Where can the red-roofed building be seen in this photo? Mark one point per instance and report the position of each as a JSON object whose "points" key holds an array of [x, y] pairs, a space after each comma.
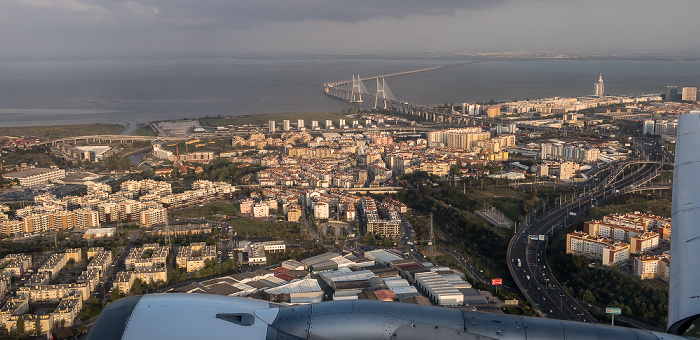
{"points": [[285, 277], [385, 295], [280, 270]]}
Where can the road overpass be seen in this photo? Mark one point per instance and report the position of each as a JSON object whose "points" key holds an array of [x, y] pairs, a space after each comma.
{"points": [[108, 139], [534, 277]]}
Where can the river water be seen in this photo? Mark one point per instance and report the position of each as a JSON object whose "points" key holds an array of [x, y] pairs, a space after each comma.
{"points": [[45, 93], [137, 158]]}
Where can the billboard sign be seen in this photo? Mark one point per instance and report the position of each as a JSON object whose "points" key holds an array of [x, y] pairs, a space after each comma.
{"points": [[613, 310]]}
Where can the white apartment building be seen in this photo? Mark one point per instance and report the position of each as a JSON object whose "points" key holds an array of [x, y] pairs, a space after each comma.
{"points": [[153, 216], [261, 210], [645, 242], [615, 254], [36, 176], [321, 210], [612, 231], [605, 250], [652, 267], [85, 218], [690, 94]]}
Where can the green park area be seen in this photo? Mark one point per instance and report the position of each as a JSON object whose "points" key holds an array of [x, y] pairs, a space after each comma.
{"points": [[58, 131], [277, 117], [255, 228], [202, 145], [243, 226], [145, 130], [212, 211]]}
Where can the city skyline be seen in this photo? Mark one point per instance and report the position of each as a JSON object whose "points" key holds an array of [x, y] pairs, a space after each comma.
{"points": [[75, 29]]}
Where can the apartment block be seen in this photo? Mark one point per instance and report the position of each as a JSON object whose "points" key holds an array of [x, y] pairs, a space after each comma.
{"points": [[612, 231], [151, 274], [274, 246], [615, 254], [67, 310], [16, 264], [124, 281], [137, 259], [36, 176], [261, 210], [652, 267], [54, 292], [438, 168], [690, 94], [247, 206], [321, 210], [645, 242], [389, 227], [54, 264], [665, 232], [91, 277], [153, 216], [192, 257], [602, 249], [294, 214], [85, 218], [37, 223], [100, 261], [12, 228]]}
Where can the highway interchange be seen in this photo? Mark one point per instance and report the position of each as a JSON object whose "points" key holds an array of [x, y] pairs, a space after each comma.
{"points": [[527, 257]]}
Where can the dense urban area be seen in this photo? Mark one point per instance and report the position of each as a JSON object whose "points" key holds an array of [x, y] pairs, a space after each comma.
{"points": [[556, 207]]}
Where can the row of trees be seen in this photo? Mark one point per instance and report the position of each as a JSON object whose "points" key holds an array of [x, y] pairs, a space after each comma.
{"points": [[377, 240], [211, 268], [222, 170], [456, 218], [603, 287]]}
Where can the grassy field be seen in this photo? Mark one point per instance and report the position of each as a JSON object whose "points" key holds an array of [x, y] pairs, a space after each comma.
{"points": [[244, 227], [247, 227], [145, 130], [506, 200], [277, 117], [57, 131], [208, 211], [214, 144]]}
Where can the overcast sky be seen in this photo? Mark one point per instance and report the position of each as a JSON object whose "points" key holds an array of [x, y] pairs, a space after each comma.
{"points": [[141, 28]]}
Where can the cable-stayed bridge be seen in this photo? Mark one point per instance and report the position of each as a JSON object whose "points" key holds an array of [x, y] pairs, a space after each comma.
{"points": [[384, 98]]}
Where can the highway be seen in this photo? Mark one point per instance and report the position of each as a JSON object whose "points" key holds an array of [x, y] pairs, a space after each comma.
{"points": [[473, 272], [534, 276]]}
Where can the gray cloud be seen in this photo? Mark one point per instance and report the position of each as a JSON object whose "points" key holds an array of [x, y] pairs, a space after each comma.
{"points": [[85, 28], [245, 13]]}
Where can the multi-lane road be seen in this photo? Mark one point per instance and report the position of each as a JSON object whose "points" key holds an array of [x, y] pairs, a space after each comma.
{"points": [[527, 257]]}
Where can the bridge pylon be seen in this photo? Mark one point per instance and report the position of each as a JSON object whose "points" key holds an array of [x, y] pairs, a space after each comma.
{"points": [[383, 93], [358, 89]]}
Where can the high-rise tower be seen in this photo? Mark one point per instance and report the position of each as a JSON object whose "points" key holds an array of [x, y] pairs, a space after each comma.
{"points": [[599, 86]]}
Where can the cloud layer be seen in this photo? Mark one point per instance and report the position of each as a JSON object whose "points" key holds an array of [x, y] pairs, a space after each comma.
{"points": [[100, 28]]}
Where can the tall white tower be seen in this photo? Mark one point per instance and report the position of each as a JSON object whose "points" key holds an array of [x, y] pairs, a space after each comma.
{"points": [[599, 86]]}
